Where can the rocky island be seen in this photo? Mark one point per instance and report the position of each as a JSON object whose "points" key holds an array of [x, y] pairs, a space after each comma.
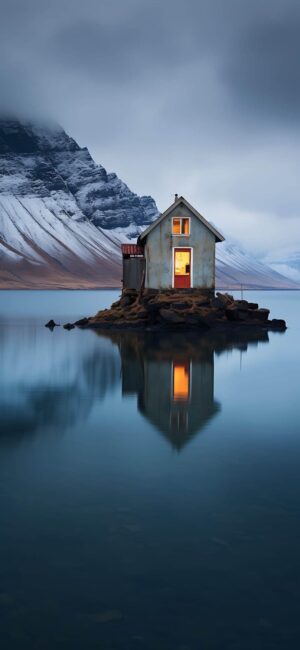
{"points": [[192, 309]]}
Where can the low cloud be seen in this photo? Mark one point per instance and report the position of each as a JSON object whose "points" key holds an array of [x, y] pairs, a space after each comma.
{"points": [[199, 98], [263, 70]]}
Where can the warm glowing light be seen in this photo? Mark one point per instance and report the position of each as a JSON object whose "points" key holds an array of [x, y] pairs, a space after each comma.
{"points": [[181, 381], [185, 226], [176, 226], [180, 226], [182, 262]]}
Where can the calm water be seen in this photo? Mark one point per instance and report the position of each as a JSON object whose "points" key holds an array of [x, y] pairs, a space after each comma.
{"points": [[149, 485]]}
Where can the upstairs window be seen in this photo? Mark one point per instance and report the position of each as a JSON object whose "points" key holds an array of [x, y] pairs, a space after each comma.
{"points": [[181, 226]]}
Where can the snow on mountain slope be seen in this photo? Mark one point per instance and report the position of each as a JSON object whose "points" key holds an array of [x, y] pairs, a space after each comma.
{"points": [[103, 197], [54, 202], [62, 218], [40, 245], [38, 160]]}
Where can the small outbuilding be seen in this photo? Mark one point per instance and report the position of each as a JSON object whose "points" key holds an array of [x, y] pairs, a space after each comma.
{"points": [[177, 251]]}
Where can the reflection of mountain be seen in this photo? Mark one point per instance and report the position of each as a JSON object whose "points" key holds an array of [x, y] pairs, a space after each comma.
{"points": [[51, 381], [41, 409], [173, 377]]}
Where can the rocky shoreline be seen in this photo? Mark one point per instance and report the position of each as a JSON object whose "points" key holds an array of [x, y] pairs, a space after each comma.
{"points": [[179, 310]]}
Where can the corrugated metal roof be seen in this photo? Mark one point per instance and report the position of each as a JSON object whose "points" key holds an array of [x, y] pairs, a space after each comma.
{"points": [[132, 249]]}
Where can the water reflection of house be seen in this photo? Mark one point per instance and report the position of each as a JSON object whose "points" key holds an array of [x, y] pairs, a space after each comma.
{"points": [[174, 382], [178, 397], [173, 376]]}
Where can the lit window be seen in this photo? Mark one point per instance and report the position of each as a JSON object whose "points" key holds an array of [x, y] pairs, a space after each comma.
{"points": [[176, 226], [181, 226], [185, 226]]}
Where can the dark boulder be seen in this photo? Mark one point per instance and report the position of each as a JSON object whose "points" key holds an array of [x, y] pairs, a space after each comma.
{"points": [[218, 303], [225, 297], [180, 305], [155, 306], [236, 314], [115, 305], [259, 314], [82, 322], [243, 314], [170, 316], [69, 326], [195, 320], [241, 304], [126, 301], [278, 323], [51, 324], [203, 302]]}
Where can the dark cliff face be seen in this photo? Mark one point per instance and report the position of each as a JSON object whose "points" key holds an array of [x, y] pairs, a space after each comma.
{"points": [[103, 197], [28, 138], [62, 216], [15, 140], [38, 160]]}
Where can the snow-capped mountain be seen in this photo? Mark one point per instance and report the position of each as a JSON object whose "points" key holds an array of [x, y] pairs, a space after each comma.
{"points": [[39, 161], [62, 217]]}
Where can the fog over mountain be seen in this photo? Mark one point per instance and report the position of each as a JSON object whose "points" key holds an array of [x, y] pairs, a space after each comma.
{"points": [[199, 98]]}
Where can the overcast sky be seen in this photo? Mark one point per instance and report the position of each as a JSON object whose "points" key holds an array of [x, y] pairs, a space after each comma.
{"points": [[198, 97]]}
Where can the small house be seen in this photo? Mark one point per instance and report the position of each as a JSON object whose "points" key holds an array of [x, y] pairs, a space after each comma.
{"points": [[176, 251]]}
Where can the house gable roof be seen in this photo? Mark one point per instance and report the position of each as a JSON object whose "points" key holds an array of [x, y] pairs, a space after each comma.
{"points": [[173, 206]]}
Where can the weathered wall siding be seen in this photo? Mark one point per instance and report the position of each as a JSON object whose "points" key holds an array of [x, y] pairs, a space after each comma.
{"points": [[158, 252], [133, 268]]}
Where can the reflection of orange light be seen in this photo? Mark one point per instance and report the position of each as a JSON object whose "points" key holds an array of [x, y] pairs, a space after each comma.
{"points": [[181, 381]]}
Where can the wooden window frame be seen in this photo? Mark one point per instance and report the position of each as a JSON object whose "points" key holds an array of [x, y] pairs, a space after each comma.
{"points": [[181, 234]]}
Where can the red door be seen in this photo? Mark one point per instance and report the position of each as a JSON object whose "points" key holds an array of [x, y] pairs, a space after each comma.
{"points": [[182, 268]]}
